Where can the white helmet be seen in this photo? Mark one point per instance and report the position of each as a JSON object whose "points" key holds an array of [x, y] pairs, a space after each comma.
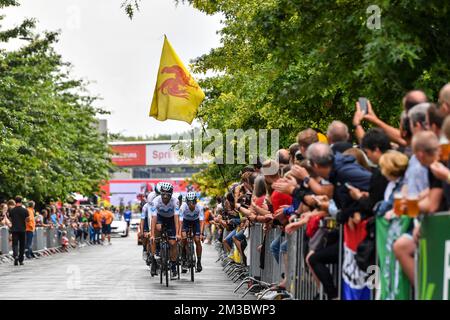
{"points": [[191, 196]]}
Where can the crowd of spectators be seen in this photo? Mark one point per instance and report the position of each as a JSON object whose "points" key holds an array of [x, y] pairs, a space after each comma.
{"points": [[87, 224], [366, 181]]}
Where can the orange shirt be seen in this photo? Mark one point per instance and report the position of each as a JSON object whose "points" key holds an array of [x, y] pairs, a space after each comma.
{"points": [[207, 213], [31, 224], [108, 216], [97, 220]]}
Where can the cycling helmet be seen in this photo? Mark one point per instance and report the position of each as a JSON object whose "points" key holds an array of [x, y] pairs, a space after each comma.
{"points": [[166, 187], [191, 196], [158, 188]]}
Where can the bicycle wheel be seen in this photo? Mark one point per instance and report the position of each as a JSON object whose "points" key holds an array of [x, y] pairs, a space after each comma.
{"points": [[191, 259], [166, 262], [178, 260], [161, 264]]}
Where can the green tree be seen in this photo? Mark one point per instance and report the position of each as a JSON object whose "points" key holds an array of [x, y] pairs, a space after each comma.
{"points": [[49, 146], [293, 64]]}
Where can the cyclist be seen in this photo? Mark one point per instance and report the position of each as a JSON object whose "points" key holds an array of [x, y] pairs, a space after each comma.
{"points": [[145, 223], [165, 212], [191, 213]]}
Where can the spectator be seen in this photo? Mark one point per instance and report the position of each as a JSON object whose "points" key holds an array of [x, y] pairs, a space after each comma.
{"points": [[426, 149], [19, 217], [338, 136], [4, 220], [96, 224], [375, 143], [293, 148], [393, 166], [282, 157], [64, 241], [444, 99], [411, 99], [108, 217], [304, 139], [435, 119], [359, 156], [30, 228]]}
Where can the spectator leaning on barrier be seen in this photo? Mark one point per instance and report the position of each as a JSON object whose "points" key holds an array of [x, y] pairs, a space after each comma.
{"points": [[244, 200], [441, 170], [426, 149], [278, 201], [389, 226], [19, 217], [30, 228], [375, 143], [336, 170], [338, 136]]}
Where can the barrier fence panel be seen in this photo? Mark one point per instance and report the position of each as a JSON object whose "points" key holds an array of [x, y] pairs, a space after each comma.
{"points": [[70, 235], [39, 240], [278, 267], [52, 238], [4, 240], [255, 240], [267, 272], [293, 258]]}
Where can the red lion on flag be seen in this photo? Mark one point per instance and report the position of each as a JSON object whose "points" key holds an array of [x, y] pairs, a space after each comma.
{"points": [[176, 86]]}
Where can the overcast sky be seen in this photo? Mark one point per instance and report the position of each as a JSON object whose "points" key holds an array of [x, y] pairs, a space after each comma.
{"points": [[121, 56]]}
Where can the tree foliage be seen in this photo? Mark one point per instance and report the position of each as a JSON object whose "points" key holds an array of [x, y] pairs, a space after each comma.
{"points": [[49, 144], [293, 64]]}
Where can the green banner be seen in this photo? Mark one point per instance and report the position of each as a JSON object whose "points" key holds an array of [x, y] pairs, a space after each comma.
{"points": [[394, 285], [434, 258]]}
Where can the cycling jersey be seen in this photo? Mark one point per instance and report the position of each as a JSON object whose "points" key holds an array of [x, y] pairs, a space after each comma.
{"points": [[151, 196], [188, 215], [144, 216], [158, 208]]}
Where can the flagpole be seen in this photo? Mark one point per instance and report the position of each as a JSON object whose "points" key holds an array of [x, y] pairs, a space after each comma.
{"points": [[218, 165]]}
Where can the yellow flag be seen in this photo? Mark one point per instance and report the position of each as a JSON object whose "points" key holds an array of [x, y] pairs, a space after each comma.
{"points": [[177, 96]]}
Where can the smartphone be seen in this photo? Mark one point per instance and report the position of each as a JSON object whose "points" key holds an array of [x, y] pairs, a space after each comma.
{"points": [[363, 104]]}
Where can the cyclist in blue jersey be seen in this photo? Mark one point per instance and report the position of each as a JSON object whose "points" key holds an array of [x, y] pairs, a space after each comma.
{"points": [[165, 211], [191, 215]]}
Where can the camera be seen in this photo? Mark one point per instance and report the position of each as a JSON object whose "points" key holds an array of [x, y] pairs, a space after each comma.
{"points": [[299, 156], [245, 200]]}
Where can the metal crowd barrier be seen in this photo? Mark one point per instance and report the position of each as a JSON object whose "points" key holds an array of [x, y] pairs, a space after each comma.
{"points": [[43, 238], [255, 240], [300, 281], [5, 246], [38, 239]]}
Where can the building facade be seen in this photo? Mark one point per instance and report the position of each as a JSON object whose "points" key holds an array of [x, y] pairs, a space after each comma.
{"points": [[142, 164]]}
